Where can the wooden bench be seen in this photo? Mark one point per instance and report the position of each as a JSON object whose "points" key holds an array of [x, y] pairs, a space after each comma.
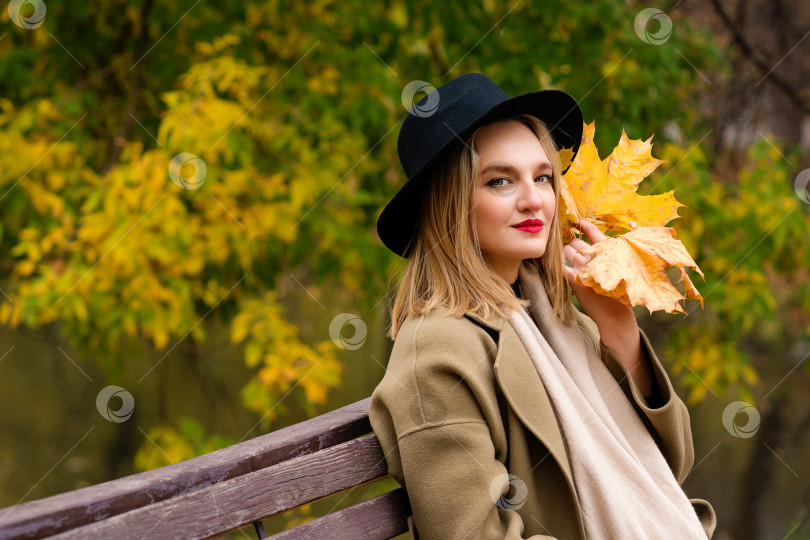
{"points": [[232, 488]]}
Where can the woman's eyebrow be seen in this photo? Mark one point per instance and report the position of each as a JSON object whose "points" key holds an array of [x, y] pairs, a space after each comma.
{"points": [[503, 166]]}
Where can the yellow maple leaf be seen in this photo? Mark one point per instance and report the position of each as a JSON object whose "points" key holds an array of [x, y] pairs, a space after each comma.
{"points": [[566, 158], [604, 191], [631, 268]]}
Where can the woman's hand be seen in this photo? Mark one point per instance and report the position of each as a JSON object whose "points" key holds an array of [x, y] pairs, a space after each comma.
{"points": [[608, 314], [617, 324]]}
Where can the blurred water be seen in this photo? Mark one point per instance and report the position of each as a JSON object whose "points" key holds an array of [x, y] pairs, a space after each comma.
{"points": [[53, 439]]}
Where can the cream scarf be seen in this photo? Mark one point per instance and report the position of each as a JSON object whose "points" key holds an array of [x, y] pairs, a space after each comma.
{"points": [[625, 487]]}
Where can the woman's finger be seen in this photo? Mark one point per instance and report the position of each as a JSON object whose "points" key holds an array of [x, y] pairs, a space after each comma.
{"points": [[591, 231], [578, 244], [569, 274], [573, 254]]}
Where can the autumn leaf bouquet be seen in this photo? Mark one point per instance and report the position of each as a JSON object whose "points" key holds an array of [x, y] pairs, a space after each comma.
{"points": [[631, 264]]}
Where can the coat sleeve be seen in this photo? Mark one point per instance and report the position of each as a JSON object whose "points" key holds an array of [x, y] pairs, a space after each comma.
{"points": [[429, 415]]}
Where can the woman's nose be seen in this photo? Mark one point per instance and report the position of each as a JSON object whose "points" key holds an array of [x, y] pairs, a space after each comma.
{"points": [[529, 196]]}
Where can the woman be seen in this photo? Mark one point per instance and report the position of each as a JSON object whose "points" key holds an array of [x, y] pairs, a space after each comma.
{"points": [[504, 411]]}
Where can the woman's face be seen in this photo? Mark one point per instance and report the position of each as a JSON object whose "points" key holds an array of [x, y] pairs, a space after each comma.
{"points": [[515, 201]]}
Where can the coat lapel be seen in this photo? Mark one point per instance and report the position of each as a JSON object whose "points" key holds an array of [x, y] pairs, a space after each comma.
{"points": [[524, 391]]}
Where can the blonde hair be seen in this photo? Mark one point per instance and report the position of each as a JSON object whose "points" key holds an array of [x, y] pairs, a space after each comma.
{"points": [[445, 266]]}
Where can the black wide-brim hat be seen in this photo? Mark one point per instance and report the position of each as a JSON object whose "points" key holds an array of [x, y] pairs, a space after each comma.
{"points": [[450, 113]]}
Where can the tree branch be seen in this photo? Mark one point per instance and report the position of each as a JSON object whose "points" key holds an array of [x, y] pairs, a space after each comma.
{"points": [[119, 140], [752, 55]]}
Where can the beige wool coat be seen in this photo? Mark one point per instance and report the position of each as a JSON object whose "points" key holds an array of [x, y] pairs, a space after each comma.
{"points": [[461, 406]]}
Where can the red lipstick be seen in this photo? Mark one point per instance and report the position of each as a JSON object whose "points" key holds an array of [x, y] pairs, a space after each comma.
{"points": [[530, 226]]}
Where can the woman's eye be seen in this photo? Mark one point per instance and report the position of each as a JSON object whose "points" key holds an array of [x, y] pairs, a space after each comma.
{"points": [[544, 178], [494, 182]]}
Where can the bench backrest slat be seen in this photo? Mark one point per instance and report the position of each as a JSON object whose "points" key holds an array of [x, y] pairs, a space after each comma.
{"points": [[248, 498], [379, 518], [66, 511]]}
